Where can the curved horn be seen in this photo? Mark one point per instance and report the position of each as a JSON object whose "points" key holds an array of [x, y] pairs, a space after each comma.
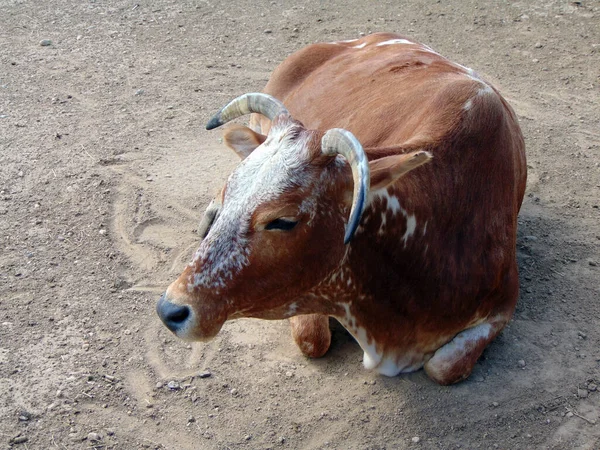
{"points": [[338, 141], [259, 103]]}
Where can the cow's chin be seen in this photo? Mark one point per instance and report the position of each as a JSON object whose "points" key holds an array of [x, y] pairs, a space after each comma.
{"points": [[199, 332]]}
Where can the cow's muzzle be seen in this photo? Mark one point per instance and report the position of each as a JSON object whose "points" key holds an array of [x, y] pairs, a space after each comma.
{"points": [[175, 317]]}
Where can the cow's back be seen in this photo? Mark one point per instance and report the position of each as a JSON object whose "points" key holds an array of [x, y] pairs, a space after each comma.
{"points": [[450, 226]]}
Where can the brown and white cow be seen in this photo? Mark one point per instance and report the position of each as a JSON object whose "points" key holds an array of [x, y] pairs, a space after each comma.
{"points": [[332, 211]]}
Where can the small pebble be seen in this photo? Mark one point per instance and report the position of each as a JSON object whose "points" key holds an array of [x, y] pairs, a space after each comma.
{"points": [[25, 415], [233, 391], [582, 393], [205, 374], [102, 231], [281, 440], [592, 263], [247, 437], [173, 385], [569, 414], [19, 440], [268, 31], [93, 437], [20, 174], [139, 92], [289, 374], [538, 45], [159, 385], [416, 439], [45, 42], [191, 419], [495, 404], [521, 363], [592, 387]]}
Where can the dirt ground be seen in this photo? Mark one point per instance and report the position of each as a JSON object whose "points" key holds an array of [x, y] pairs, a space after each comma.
{"points": [[106, 170]]}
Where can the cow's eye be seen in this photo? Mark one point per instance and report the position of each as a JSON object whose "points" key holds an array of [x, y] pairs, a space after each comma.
{"points": [[281, 224]]}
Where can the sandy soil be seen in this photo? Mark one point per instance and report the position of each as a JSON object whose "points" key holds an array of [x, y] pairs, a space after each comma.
{"points": [[105, 172]]}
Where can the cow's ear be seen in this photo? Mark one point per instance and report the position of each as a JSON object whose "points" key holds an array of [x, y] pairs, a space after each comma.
{"points": [[385, 171], [242, 140]]}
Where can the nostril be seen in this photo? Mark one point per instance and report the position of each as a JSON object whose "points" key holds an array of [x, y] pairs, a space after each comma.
{"points": [[174, 316], [178, 314]]}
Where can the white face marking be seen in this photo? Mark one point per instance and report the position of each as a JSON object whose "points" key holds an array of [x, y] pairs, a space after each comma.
{"points": [[360, 45], [394, 41], [468, 105], [263, 176]]}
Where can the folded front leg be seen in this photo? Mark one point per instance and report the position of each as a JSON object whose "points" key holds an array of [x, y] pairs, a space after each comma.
{"points": [[312, 334]]}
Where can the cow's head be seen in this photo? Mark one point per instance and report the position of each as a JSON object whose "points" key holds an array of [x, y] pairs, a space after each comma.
{"points": [[281, 224]]}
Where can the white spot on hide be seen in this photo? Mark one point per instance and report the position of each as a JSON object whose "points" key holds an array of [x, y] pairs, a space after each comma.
{"points": [[388, 364], [461, 341], [411, 225], [393, 205], [485, 90], [292, 309], [394, 41], [427, 48]]}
